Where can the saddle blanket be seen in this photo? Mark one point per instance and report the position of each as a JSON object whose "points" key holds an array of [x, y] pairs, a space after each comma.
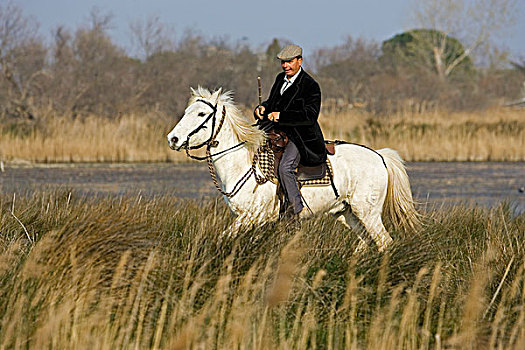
{"points": [[266, 163]]}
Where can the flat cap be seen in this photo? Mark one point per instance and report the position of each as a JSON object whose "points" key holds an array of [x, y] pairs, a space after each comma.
{"points": [[290, 52]]}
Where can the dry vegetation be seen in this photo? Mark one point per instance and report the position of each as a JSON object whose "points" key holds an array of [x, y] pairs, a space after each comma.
{"points": [[129, 138], [81, 273], [491, 135]]}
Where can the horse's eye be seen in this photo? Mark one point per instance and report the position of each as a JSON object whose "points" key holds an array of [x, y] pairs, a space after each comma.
{"points": [[201, 114]]}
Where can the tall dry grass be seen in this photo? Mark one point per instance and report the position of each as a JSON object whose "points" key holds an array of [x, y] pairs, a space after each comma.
{"points": [[491, 135], [141, 273], [127, 138]]}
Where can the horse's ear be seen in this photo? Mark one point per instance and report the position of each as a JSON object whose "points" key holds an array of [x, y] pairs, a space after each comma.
{"points": [[216, 95]]}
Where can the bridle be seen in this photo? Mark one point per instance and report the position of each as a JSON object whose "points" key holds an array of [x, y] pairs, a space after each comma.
{"points": [[212, 142]]}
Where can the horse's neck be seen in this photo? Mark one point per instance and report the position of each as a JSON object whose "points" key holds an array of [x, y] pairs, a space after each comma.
{"points": [[234, 162]]}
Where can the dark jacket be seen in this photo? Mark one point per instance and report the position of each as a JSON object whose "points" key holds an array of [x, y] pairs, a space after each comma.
{"points": [[299, 106]]}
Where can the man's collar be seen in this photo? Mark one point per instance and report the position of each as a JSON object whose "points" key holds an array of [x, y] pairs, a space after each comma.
{"points": [[292, 79]]}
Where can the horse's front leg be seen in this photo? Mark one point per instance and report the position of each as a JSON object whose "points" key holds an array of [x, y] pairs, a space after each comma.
{"points": [[238, 224], [256, 206], [247, 221]]}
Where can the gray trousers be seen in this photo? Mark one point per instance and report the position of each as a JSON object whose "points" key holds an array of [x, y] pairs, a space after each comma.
{"points": [[289, 162]]}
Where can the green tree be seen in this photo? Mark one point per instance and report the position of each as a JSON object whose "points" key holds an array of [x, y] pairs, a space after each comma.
{"points": [[417, 49]]}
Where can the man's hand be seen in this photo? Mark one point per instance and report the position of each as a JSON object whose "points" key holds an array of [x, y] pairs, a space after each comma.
{"points": [[274, 116], [259, 111]]}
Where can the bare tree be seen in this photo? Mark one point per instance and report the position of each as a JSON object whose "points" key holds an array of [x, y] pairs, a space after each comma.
{"points": [[474, 23], [519, 67], [150, 37], [100, 21], [345, 70], [22, 60]]}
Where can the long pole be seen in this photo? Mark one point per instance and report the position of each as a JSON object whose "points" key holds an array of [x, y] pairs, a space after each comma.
{"points": [[260, 90], [260, 93]]}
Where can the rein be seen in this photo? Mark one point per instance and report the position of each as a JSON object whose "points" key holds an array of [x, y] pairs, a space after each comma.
{"points": [[212, 142]]}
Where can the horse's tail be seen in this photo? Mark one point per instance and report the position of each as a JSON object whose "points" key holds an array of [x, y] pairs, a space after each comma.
{"points": [[399, 204]]}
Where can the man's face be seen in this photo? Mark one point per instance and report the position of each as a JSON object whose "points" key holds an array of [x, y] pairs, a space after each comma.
{"points": [[291, 67]]}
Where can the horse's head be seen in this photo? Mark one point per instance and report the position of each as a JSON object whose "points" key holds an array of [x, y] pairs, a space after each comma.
{"points": [[196, 127]]}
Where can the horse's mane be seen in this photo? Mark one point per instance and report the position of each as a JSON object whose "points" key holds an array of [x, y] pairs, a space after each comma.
{"points": [[241, 126]]}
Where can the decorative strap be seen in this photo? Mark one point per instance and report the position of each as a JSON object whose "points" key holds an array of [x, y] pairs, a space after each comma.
{"points": [[252, 170]]}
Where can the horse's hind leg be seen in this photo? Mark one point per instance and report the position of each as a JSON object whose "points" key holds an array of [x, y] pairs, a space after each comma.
{"points": [[348, 219], [376, 229], [368, 227]]}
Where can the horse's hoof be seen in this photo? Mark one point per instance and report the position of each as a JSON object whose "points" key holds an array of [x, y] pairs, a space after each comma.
{"points": [[385, 244], [361, 248], [228, 234]]}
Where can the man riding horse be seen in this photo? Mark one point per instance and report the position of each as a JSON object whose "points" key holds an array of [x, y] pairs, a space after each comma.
{"points": [[293, 108]]}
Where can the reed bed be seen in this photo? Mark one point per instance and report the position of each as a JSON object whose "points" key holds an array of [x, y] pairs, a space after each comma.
{"points": [[155, 273], [493, 135], [127, 138]]}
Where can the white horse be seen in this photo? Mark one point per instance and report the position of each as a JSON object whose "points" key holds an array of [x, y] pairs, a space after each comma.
{"points": [[368, 182]]}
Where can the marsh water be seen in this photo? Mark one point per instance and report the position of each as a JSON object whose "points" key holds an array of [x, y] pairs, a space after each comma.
{"points": [[434, 184]]}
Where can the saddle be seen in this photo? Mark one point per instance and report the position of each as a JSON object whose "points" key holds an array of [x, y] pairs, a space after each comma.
{"points": [[278, 141]]}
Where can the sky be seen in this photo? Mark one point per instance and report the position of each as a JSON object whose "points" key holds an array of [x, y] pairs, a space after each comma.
{"points": [[313, 24]]}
